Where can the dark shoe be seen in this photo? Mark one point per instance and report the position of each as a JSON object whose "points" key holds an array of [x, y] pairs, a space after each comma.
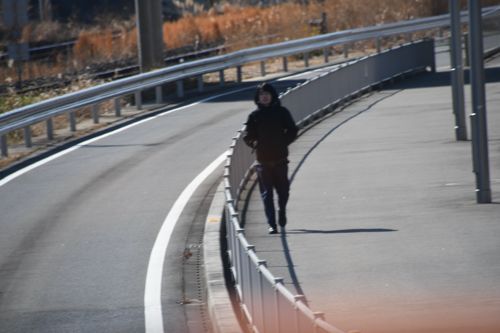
{"points": [[272, 230], [282, 219]]}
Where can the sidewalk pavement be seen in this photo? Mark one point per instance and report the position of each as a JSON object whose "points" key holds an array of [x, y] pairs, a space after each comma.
{"points": [[384, 233]]}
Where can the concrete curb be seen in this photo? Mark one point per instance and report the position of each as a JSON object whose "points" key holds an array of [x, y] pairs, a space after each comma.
{"points": [[220, 308]]}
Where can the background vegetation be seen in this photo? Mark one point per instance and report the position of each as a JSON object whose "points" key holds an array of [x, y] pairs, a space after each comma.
{"points": [[114, 39]]}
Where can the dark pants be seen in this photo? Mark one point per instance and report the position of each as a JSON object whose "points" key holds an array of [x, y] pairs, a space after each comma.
{"points": [[274, 176]]}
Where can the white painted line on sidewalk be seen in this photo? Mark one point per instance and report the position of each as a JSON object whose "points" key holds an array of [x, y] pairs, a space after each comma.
{"points": [[152, 294]]}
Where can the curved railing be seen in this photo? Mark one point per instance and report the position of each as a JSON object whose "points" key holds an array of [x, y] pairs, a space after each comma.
{"points": [[267, 304]]}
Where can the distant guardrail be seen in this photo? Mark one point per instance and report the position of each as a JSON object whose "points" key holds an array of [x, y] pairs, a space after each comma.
{"points": [[24, 117], [267, 304]]}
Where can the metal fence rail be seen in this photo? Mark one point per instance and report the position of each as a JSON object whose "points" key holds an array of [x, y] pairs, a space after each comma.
{"points": [[27, 116], [267, 304]]}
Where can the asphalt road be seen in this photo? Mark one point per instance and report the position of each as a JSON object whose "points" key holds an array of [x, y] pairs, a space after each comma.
{"points": [[77, 231]]}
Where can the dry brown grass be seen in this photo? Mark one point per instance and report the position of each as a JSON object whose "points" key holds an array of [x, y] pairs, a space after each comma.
{"points": [[236, 27], [101, 46], [240, 27]]}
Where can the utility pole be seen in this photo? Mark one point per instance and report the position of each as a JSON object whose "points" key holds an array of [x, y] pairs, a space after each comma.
{"points": [[15, 14], [478, 117], [457, 71], [41, 11], [150, 34], [44, 10]]}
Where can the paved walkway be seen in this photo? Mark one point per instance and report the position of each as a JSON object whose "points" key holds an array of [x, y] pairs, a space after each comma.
{"points": [[384, 231]]}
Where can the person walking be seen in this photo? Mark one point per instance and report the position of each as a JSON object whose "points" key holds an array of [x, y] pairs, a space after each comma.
{"points": [[269, 131]]}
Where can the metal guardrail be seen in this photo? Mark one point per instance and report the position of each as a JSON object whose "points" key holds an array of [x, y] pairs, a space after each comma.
{"points": [[24, 117], [267, 304]]}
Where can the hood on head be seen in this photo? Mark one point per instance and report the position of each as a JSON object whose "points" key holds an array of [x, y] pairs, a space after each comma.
{"points": [[270, 89]]}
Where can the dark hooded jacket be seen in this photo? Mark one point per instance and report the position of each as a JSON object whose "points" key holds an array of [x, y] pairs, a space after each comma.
{"points": [[270, 129]]}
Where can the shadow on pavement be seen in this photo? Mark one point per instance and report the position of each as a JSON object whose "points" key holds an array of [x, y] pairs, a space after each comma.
{"points": [[289, 261], [288, 257], [440, 79], [341, 231], [306, 155]]}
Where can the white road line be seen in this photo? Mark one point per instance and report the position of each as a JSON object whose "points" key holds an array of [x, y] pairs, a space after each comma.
{"points": [[152, 294]]}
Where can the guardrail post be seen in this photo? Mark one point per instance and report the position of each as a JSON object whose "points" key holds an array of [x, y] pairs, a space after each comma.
{"points": [[260, 264], [306, 59], [27, 137], [118, 107], [408, 37], [180, 88], [346, 51], [285, 64], [4, 146], [159, 94], [297, 298], [326, 53], [201, 87], [138, 100], [239, 254], [263, 68], [72, 121], [379, 44], [50, 129], [239, 76], [221, 77], [318, 316], [95, 113], [251, 290], [277, 302]]}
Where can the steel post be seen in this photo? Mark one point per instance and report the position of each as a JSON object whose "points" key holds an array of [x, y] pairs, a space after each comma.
{"points": [[118, 107], [201, 87], [27, 137], [50, 129], [239, 76], [4, 145], [150, 34], [221, 77], [138, 100], [180, 88], [276, 301], [479, 121], [95, 113], [72, 121], [159, 94], [457, 72], [346, 51]]}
